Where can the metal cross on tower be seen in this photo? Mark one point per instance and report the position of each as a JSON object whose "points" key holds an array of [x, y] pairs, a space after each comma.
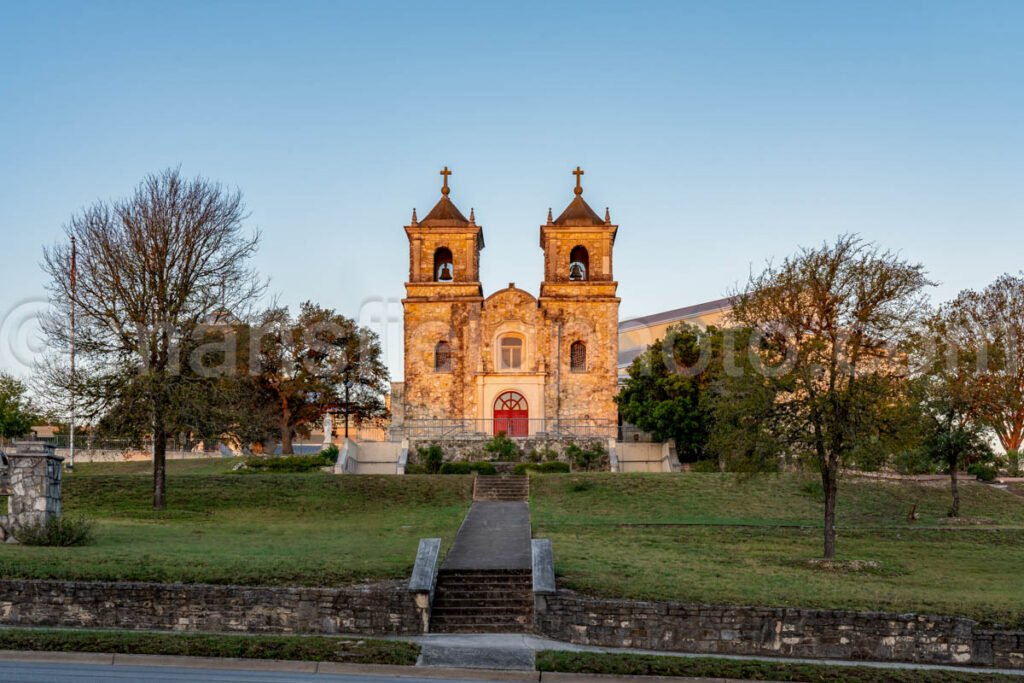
{"points": [[445, 173], [579, 176]]}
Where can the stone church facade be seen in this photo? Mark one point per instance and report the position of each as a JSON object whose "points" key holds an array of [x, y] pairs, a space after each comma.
{"points": [[510, 362]]}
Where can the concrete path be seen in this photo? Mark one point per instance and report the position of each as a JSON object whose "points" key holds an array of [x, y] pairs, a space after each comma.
{"points": [[493, 536], [503, 658], [472, 647]]}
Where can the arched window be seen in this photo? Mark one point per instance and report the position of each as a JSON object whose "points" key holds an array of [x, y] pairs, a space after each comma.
{"points": [[511, 353], [443, 357], [579, 263], [443, 269], [578, 357]]}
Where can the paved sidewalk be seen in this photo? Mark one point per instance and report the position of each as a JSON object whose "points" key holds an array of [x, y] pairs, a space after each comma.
{"points": [[470, 651], [493, 536]]}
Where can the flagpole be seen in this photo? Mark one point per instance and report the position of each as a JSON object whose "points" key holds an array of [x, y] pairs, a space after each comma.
{"points": [[74, 291]]}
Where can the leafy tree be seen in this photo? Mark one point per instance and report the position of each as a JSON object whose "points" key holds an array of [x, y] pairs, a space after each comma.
{"points": [[987, 329], [16, 414], [315, 363], [668, 391], [953, 428], [831, 325], [952, 440], [153, 269]]}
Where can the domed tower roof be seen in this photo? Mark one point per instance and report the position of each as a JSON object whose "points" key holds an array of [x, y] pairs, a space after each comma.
{"points": [[579, 213]]}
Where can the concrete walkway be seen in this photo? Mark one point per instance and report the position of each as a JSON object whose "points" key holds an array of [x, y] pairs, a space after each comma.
{"points": [[493, 536], [512, 650]]}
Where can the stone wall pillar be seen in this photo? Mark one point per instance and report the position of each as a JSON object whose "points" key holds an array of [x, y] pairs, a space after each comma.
{"points": [[32, 481]]}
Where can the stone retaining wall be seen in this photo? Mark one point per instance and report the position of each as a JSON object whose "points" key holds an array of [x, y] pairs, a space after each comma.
{"points": [[388, 608], [807, 633], [372, 609], [472, 449], [83, 455]]}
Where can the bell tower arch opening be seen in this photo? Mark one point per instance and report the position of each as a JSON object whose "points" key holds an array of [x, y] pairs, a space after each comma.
{"points": [[579, 263], [444, 270]]}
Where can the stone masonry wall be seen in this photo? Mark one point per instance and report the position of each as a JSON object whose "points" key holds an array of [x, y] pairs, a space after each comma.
{"points": [[30, 477], [83, 455], [808, 633], [372, 609], [472, 449]]}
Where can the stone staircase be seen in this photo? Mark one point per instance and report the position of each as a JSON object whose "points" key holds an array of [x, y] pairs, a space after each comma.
{"points": [[483, 601], [501, 487]]}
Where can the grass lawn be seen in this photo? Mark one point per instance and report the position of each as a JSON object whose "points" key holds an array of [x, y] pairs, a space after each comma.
{"points": [[716, 538], [691, 537], [297, 648], [222, 527], [749, 670]]}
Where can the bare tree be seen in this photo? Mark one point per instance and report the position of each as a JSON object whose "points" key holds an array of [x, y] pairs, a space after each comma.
{"points": [[152, 269], [833, 324]]}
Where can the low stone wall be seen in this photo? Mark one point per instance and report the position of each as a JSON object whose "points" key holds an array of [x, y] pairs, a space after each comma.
{"points": [[83, 455], [807, 633], [373, 609], [1003, 649], [472, 449]]}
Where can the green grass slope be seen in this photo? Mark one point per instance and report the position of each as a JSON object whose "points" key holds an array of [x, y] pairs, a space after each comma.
{"points": [[725, 539], [308, 529]]}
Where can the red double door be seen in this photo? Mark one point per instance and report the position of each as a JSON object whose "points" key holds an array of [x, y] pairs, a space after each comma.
{"points": [[511, 415]]}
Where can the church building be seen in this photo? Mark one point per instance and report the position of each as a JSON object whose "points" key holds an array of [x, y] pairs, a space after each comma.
{"points": [[510, 362]]}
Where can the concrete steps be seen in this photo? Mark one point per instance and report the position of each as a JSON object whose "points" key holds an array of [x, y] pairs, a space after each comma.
{"points": [[482, 601], [501, 487]]}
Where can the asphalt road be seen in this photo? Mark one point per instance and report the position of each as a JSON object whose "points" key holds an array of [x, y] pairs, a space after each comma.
{"points": [[38, 672]]}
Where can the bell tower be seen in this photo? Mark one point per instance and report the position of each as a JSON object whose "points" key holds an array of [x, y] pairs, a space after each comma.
{"points": [[441, 309], [579, 302], [578, 250], [444, 249]]}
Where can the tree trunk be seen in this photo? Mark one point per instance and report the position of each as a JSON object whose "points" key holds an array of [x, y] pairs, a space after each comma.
{"points": [[286, 438], [286, 428], [159, 463], [829, 485], [954, 485]]}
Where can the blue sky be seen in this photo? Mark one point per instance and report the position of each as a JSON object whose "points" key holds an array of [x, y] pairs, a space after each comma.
{"points": [[721, 134]]}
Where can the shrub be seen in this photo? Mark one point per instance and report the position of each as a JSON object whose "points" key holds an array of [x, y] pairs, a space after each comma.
{"points": [[983, 471], [914, 461], [546, 454], [468, 468], [503, 448], [330, 454], [543, 468], [287, 464], [1013, 463], [57, 531], [705, 466], [431, 456], [587, 457]]}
